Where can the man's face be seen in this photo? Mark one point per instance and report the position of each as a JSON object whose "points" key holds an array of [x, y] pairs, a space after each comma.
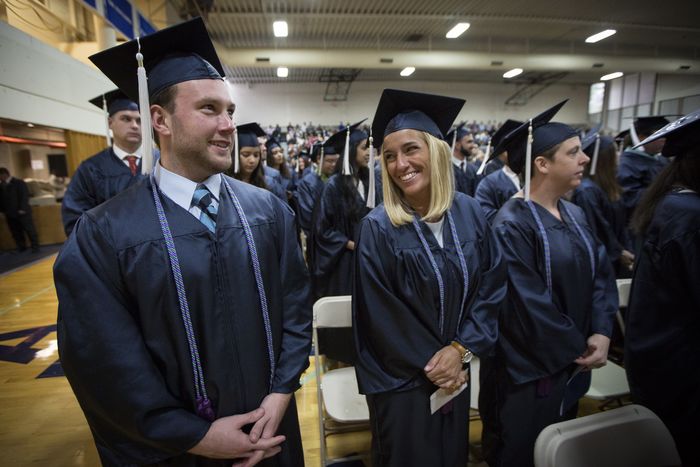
{"points": [[126, 128], [202, 127], [4, 177], [467, 145], [329, 163]]}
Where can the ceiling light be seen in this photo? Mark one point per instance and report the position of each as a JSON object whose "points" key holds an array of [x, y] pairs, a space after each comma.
{"points": [[600, 36], [280, 28], [457, 30], [30, 125], [610, 76], [408, 71], [282, 72], [512, 73]]}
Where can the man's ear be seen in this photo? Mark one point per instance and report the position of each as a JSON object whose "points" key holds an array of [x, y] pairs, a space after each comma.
{"points": [[542, 164], [161, 120]]}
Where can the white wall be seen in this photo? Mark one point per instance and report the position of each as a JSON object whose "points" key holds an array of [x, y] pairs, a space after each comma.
{"points": [[299, 102], [675, 86], [42, 85]]}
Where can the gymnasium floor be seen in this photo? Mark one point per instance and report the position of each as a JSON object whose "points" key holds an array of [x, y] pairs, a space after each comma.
{"points": [[40, 421]]}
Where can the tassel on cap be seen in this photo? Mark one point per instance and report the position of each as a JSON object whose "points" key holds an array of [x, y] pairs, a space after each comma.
{"points": [[528, 161], [486, 158], [106, 114], [346, 153], [320, 164], [454, 141], [236, 151], [633, 135], [145, 110], [596, 149], [370, 193]]}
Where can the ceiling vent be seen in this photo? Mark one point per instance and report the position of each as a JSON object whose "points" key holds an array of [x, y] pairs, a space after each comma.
{"points": [[386, 60], [262, 59], [496, 63]]}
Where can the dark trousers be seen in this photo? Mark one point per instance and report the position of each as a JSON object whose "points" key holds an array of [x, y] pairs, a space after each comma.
{"points": [[405, 434], [21, 225], [513, 415]]}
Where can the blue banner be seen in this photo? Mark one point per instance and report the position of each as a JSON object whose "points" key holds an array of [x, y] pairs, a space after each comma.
{"points": [[119, 14], [145, 27]]}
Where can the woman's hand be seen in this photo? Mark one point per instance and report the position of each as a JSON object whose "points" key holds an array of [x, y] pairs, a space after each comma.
{"points": [[596, 354]]}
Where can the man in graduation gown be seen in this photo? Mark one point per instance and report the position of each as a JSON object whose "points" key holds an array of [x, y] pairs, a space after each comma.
{"points": [[310, 187], [14, 203], [662, 343], [465, 174], [184, 314], [500, 184], [111, 170]]}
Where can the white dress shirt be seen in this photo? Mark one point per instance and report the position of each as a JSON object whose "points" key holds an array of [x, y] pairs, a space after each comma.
{"points": [[181, 189]]}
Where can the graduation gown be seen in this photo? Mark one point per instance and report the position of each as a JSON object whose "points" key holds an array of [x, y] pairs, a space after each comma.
{"points": [[396, 299], [465, 180], [307, 193], [662, 343], [492, 166], [331, 268], [273, 179], [635, 172], [121, 336], [604, 219], [541, 336], [493, 191], [96, 180], [396, 309]]}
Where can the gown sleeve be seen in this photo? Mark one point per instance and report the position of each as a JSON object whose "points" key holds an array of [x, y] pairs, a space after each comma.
{"points": [[487, 198], [105, 358], [538, 338], [296, 307]]}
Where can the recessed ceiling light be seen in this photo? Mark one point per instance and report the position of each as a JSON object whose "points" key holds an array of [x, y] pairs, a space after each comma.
{"points": [[457, 30], [282, 72], [408, 71], [280, 28], [512, 73], [30, 125], [610, 76], [600, 36]]}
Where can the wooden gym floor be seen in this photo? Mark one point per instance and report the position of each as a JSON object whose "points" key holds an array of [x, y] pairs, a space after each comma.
{"points": [[41, 423]]}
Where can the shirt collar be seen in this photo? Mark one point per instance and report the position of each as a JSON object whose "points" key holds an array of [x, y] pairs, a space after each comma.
{"points": [[181, 189], [511, 175], [121, 154], [458, 162]]}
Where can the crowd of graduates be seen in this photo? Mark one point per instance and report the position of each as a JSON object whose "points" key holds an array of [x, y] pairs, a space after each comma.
{"points": [[190, 291]]}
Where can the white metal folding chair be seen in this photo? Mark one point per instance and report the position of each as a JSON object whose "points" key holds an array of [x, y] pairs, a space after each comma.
{"points": [[609, 383], [630, 436], [341, 408]]}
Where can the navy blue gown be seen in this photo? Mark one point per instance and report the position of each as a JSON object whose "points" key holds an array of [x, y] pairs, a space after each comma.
{"points": [[465, 180], [662, 344], [121, 336], [308, 192], [606, 221], [273, 179], [493, 191], [97, 179], [541, 336], [396, 307], [635, 172]]}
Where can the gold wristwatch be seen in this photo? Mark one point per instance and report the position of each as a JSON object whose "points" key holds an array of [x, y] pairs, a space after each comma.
{"points": [[466, 354]]}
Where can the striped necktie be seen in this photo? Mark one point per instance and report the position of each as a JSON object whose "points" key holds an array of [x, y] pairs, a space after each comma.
{"points": [[204, 200], [132, 164]]}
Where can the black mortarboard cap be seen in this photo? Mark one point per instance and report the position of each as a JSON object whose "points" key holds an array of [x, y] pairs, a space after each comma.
{"points": [[401, 110], [507, 127], [116, 102], [173, 55], [337, 140], [681, 135], [248, 134], [461, 133], [515, 142], [648, 125], [272, 143], [588, 141]]}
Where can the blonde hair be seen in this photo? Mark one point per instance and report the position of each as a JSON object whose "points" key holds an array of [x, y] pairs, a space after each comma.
{"points": [[442, 185]]}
